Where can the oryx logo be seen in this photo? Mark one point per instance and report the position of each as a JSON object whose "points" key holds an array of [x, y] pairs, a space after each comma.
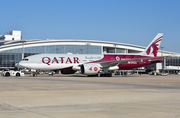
{"points": [[117, 58], [154, 46], [95, 68]]}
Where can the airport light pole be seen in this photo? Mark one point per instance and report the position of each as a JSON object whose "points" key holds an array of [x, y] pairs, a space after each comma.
{"points": [[45, 49], [162, 51], [57, 50], [23, 49], [163, 59], [115, 47], [88, 44], [81, 50]]}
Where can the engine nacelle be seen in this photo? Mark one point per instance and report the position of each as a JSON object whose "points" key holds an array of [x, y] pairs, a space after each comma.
{"points": [[90, 69]]}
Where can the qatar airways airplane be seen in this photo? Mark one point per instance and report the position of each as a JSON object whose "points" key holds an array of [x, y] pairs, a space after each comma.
{"points": [[91, 65]]}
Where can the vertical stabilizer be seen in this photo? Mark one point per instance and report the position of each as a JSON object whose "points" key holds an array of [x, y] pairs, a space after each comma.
{"points": [[153, 47]]}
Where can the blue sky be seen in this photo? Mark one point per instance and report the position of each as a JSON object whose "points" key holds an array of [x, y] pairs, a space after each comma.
{"points": [[125, 21]]}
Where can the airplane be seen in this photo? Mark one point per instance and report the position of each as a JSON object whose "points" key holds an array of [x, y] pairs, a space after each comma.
{"points": [[91, 65]]}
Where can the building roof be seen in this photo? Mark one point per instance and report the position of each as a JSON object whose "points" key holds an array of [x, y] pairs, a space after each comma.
{"points": [[7, 45]]}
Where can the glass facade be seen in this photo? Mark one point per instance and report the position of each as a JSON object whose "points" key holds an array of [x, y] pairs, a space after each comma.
{"points": [[112, 50], [8, 58], [62, 49], [173, 62], [133, 51], [118, 50]]}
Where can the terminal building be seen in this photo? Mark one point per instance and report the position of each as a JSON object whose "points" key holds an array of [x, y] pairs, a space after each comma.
{"points": [[13, 49]]}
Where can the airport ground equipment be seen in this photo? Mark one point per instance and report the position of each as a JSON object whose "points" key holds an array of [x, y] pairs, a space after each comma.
{"points": [[12, 73]]}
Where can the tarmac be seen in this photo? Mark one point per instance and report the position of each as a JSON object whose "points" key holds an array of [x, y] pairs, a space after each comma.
{"points": [[78, 96]]}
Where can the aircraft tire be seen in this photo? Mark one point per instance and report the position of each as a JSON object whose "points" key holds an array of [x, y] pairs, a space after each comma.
{"points": [[110, 75], [106, 75], [102, 75], [17, 74], [34, 75], [93, 75]]}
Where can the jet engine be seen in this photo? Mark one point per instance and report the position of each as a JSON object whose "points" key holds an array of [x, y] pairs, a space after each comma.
{"points": [[90, 69]]}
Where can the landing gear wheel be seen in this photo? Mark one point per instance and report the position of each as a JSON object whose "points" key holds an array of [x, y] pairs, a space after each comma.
{"points": [[102, 75], [106, 75], [34, 75], [93, 75], [110, 75]]}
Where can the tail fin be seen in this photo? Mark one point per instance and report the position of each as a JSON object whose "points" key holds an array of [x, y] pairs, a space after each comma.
{"points": [[153, 47]]}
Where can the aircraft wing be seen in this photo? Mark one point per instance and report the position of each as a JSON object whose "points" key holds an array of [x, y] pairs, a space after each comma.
{"points": [[124, 61]]}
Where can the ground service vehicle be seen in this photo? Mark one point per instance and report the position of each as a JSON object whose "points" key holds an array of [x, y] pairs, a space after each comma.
{"points": [[13, 73]]}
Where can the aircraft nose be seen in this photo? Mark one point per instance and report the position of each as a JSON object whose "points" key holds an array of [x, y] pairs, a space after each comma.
{"points": [[21, 63], [18, 65]]}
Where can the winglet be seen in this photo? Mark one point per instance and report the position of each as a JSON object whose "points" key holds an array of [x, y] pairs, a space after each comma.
{"points": [[153, 47]]}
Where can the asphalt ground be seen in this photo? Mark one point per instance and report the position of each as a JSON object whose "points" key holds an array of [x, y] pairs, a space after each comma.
{"points": [[78, 96]]}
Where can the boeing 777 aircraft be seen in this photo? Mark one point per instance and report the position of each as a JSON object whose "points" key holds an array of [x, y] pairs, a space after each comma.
{"points": [[91, 65]]}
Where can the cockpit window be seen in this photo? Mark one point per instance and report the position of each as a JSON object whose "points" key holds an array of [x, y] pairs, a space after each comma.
{"points": [[25, 59]]}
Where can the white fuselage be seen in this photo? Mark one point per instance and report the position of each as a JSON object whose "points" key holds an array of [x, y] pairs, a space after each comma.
{"points": [[58, 61]]}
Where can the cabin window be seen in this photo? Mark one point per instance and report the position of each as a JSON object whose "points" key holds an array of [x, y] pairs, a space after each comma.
{"points": [[25, 59]]}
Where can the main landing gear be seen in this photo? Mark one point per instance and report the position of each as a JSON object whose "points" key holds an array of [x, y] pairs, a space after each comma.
{"points": [[101, 75], [106, 75], [93, 75]]}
